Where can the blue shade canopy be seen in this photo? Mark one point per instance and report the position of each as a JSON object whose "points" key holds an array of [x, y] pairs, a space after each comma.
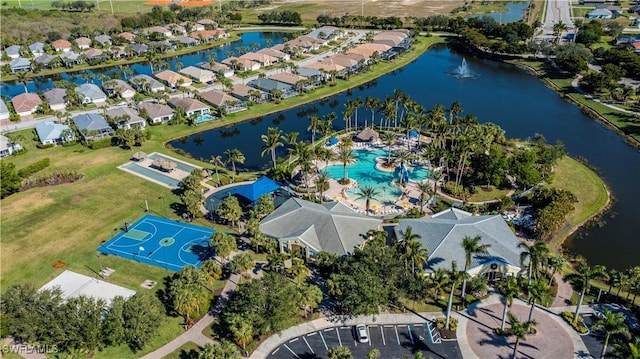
{"points": [[332, 141], [413, 133], [257, 189]]}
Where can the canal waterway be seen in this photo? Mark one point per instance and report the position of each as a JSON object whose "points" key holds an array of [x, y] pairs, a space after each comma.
{"points": [[500, 93]]}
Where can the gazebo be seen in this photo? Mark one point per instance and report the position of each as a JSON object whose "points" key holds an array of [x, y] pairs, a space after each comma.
{"points": [[157, 163], [168, 166], [139, 156], [367, 135]]}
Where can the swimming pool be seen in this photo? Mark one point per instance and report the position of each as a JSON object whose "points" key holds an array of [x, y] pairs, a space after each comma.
{"points": [[364, 171], [204, 118], [151, 175]]}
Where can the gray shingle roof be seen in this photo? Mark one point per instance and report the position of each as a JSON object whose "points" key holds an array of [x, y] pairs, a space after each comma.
{"points": [[91, 122], [50, 130], [442, 235], [13, 50], [91, 91], [331, 227], [55, 96]]}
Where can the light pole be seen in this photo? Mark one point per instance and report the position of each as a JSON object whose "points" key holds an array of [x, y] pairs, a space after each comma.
{"points": [[164, 209]]}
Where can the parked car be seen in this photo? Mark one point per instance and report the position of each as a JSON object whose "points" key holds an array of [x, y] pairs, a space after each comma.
{"points": [[361, 333]]}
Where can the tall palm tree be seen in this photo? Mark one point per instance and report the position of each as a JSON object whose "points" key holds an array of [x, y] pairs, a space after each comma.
{"points": [[233, 156], [271, 142], [556, 263], [520, 330], [534, 255], [216, 161], [407, 237], [22, 78], [322, 182], [388, 137], [373, 103], [425, 188], [611, 324], [290, 138], [471, 247], [509, 288], [581, 281], [455, 276], [345, 155], [539, 292], [298, 270], [624, 350], [314, 124], [437, 281], [558, 29], [368, 193]]}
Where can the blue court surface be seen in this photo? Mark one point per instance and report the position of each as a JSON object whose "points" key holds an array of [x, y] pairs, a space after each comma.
{"points": [[161, 242]]}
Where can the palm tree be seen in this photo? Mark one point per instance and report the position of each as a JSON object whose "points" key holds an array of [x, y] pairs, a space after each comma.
{"points": [[322, 182], [339, 353], [558, 29], [610, 323], [298, 270], [388, 137], [624, 350], [519, 330], [372, 103], [271, 142], [425, 188], [233, 156], [556, 263], [471, 247], [373, 354], [405, 245], [509, 288], [276, 262], [22, 78], [212, 272], [581, 281], [438, 280], [535, 256], [368, 193], [345, 155], [290, 138], [539, 291], [216, 161], [455, 276], [314, 123]]}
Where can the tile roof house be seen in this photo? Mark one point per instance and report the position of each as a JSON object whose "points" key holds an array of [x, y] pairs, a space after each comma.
{"points": [[218, 68], [241, 64], [156, 112], [205, 35], [263, 59], [25, 104], [126, 118], [330, 227], [198, 74], [8, 147], [248, 93], [118, 87], [103, 40], [127, 36], [160, 30], [52, 133], [279, 55], [47, 60], [186, 41], [442, 236], [287, 78], [93, 54], [177, 29], [61, 45], [83, 42], [4, 111], [192, 26], [207, 22], [91, 93], [70, 58], [146, 83], [92, 126], [56, 98], [369, 49], [326, 33], [13, 51], [190, 106], [20, 64], [172, 79], [37, 49], [223, 101]]}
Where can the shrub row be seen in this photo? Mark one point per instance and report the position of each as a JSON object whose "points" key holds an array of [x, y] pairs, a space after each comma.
{"points": [[103, 143], [51, 180], [33, 168], [577, 325], [453, 323]]}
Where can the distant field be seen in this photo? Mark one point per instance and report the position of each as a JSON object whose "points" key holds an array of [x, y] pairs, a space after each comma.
{"points": [[119, 6]]}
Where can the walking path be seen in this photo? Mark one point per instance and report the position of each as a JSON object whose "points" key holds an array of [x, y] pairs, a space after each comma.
{"points": [[563, 295]]}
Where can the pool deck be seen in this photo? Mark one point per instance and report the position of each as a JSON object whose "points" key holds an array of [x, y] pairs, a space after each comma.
{"points": [[176, 173]]}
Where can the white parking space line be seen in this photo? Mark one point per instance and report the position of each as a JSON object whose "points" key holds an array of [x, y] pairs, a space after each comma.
{"points": [[323, 342], [293, 340], [397, 336], [382, 333], [312, 334], [339, 339], [305, 340], [275, 351], [292, 352], [328, 329]]}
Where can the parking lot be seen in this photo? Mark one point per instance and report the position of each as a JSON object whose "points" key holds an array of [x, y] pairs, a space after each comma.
{"points": [[393, 341]]}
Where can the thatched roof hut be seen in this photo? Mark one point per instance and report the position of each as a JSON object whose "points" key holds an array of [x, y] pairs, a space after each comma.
{"points": [[157, 163], [367, 135], [139, 156], [168, 166]]}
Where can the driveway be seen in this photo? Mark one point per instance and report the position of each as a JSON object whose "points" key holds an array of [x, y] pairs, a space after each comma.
{"points": [[392, 340]]}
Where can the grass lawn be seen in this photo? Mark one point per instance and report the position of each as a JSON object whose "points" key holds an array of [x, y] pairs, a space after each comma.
{"points": [[482, 194], [119, 6], [586, 185], [189, 350]]}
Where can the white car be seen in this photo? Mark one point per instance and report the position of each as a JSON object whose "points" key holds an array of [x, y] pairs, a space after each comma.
{"points": [[361, 333]]}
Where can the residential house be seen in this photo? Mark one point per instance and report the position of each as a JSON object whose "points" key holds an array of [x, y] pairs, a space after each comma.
{"points": [[263, 59], [218, 68], [616, 11], [223, 101], [13, 51], [239, 64], [139, 49], [56, 98], [8, 147], [159, 30], [279, 55], [25, 104], [126, 118], [369, 49], [314, 75], [104, 40], [310, 228], [83, 43], [91, 93], [190, 106], [208, 23], [118, 52], [53, 133], [156, 112], [269, 86], [290, 79], [46, 60], [4, 111], [61, 45], [636, 47], [93, 54], [119, 88], [20, 64], [127, 36], [205, 35], [146, 83], [186, 41], [37, 49], [162, 46], [70, 58], [599, 14], [172, 79], [325, 67], [192, 26], [199, 75], [302, 44], [92, 126], [443, 233], [327, 33], [177, 29], [626, 39], [248, 93]]}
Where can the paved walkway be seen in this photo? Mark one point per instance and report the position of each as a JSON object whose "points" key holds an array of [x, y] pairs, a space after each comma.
{"points": [[563, 295]]}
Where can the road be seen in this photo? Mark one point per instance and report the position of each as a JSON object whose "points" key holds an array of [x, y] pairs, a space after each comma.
{"points": [[556, 11]]}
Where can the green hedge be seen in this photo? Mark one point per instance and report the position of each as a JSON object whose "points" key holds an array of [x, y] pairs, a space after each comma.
{"points": [[577, 325], [103, 143], [33, 168]]}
